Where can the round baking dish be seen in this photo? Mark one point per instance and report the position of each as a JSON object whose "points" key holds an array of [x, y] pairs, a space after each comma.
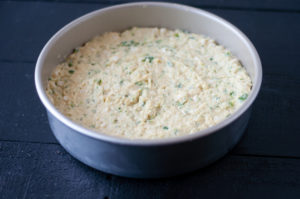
{"points": [[147, 158]]}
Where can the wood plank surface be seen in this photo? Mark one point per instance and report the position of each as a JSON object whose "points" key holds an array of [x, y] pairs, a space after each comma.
{"points": [[266, 5], [265, 164], [46, 171], [22, 116]]}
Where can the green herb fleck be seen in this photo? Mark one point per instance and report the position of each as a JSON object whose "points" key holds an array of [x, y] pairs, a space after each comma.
{"points": [[179, 85], [211, 59], [71, 71], [228, 53], [231, 93], [175, 131], [99, 82], [121, 82], [165, 128], [231, 104], [180, 104], [176, 35], [149, 58], [158, 41], [49, 79], [129, 43], [139, 83], [243, 97], [70, 64], [75, 50], [92, 126]]}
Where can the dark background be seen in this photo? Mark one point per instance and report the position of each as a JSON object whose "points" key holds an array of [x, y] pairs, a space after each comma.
{"points": [[265, 164]]}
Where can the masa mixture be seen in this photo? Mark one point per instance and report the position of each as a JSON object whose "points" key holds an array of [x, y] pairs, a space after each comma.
{"points": [[148, 83]]}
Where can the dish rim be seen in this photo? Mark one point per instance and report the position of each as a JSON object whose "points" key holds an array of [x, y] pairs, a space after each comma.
{"points": [[147, 142]]}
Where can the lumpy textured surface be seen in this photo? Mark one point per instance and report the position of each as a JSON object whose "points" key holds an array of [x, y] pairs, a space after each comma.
{"points": [[149, 83]]}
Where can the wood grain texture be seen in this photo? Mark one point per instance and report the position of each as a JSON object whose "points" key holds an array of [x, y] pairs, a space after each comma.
{"points": [[22, 116], [29, 25], [265, 164], [266, 5], [46, 171]]}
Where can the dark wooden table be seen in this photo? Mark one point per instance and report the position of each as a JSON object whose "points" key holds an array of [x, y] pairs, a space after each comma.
{"points": [[265, 164]]}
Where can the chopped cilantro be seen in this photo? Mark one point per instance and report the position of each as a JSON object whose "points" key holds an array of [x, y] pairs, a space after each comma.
{"points": [[75, 50], [179, 85], [176, 35], [71, 71], [231, 93], [243, 97], [180, 104], [70, 64], [129, 43], [149, 58], [165, 128], [139, 83], [99, 82], [211, 59]]}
